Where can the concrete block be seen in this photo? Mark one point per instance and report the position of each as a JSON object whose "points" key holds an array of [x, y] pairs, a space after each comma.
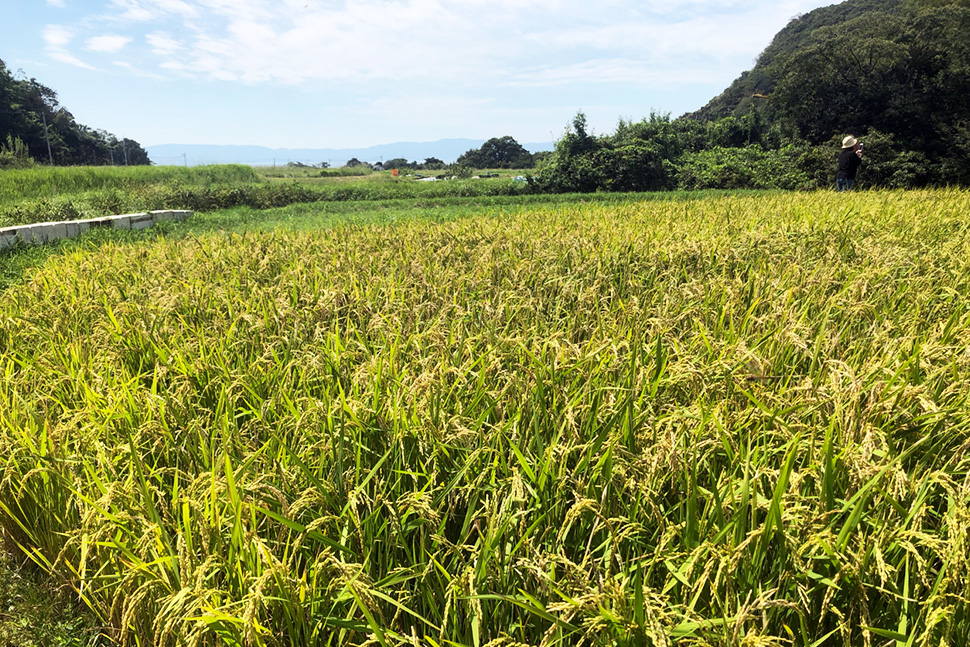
{"points": [[8, 237], [120, 222], [141, 220], [70, 228], [57, 231], [31, 233], [37, 233], [47, 231]]}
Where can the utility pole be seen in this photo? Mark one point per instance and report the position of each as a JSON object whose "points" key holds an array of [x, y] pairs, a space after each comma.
{"points": [[185, 160], [47, 137], [124, 149]]}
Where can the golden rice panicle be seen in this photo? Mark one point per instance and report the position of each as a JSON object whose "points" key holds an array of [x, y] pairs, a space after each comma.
{"points": [[737, 420]]}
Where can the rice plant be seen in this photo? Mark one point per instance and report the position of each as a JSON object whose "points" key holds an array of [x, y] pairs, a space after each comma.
{"points": [[740, 420]]}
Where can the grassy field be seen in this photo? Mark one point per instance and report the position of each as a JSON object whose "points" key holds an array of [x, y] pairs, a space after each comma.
{"points": [[310, 173], [46, 194], [735, 420], [54, 181]]}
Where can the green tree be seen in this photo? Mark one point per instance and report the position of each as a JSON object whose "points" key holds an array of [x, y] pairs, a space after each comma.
{"points": [[637, 157], [398, 163], [30, 112], [498, 152]]}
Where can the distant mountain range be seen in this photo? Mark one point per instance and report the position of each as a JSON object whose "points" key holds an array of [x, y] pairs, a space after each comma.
{"points": [[447, 150]]}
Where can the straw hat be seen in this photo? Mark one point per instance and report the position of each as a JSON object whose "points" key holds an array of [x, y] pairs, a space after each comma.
{"points": [[848, 142]]}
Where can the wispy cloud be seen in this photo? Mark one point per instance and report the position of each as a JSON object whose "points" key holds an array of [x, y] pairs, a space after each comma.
{"points": [[461, 43], [133, 11], [162, 43], [56, 3], [109, 43], [57, 38]]}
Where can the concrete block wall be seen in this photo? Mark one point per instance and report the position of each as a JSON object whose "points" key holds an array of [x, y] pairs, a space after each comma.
{"points": [[44, 232]]}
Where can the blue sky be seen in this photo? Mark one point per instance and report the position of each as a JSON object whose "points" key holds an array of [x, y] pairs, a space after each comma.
{"points": [[331, 74]]}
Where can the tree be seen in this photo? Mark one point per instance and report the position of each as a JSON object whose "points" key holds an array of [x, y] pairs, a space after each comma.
{"points": [[852, 76], [498, 152], [133, 153], [29, 111]]}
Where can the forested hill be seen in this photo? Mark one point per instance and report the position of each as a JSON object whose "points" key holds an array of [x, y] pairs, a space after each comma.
{"points": [[756, 84], [895, 73], [898, 66], [25, 106]]}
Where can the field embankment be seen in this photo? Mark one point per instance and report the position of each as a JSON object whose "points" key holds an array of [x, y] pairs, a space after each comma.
{"points": [[737, 420]]}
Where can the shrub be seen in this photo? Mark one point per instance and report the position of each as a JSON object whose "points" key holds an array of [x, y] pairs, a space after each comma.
{"points": [[750, 167], [14, 154]]}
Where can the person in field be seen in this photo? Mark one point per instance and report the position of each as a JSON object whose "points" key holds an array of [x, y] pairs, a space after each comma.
{"points": [[849, 161]]}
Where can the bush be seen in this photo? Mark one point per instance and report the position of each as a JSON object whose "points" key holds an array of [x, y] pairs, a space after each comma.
{"points": [[889, 164], [14, 154], [750, 167], [43, 210]]}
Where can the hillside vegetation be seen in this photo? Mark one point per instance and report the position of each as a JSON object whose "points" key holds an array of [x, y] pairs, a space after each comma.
{"points": [[34, 126], [896, 74], [727, 421]]}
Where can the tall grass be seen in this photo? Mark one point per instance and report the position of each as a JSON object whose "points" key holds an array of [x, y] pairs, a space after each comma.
{"points": [[735, 421], [56, 194], [53, 181], [310, 173]]}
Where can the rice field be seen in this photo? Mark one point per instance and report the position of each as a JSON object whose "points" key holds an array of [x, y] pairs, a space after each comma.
{"points": [[738, 420]]}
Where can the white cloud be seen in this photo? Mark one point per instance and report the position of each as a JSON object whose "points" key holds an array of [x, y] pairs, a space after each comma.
{"points": [[57, 38], [70, 59], [162, 43], [109, 43], [464, 43], [56, 3], [298, 41], [178, 7], [133, 11]]}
